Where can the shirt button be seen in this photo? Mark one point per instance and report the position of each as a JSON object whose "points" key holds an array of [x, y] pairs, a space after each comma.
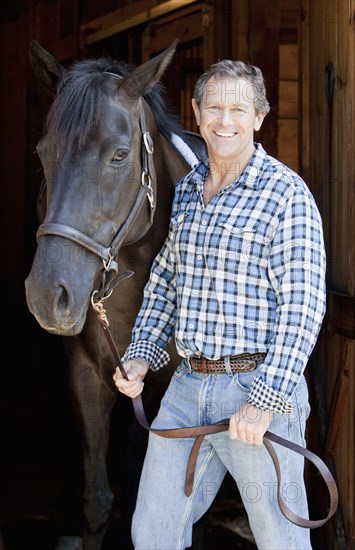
{"points": [[199, 257], [204, 222], [191, 325], [194, 292]]}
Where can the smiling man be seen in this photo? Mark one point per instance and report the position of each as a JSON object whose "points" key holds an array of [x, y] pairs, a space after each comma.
{"points": [[227, 116], [240, 284]]}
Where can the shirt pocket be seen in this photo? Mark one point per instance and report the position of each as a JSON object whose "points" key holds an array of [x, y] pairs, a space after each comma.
{"points": [[244, 241], [177, 223]]}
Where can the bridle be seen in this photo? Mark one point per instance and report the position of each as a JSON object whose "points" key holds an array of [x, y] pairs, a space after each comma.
{"points": [[109, 254]]}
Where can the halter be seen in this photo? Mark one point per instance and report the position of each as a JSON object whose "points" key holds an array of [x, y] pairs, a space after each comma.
{"points": [[109, 254]]}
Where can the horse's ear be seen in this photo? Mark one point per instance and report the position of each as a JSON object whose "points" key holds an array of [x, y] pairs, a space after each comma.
{"points": [[144, 77], [45, 67]]}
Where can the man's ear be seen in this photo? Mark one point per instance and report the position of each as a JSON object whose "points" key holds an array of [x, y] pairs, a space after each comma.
{"points": [[196, 109], [259, 119]]}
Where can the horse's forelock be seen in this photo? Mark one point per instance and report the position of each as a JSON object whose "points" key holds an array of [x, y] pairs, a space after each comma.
{"points": [[78, 106]]}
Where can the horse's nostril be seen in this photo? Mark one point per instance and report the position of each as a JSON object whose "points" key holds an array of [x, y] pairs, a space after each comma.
{"points": [[64, 300]]}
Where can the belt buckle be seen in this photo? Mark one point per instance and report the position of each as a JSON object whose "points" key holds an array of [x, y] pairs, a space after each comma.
{"points": [[247, 365], [252, 364]]}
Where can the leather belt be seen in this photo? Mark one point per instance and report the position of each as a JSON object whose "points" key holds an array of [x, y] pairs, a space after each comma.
{"points": [[244, 362]]}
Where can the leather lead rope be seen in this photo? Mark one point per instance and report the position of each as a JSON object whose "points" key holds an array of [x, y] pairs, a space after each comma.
{"points": [[201, 431]]}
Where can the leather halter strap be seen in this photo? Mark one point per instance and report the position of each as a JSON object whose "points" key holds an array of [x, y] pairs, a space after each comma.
{"points": [[199, 432], [106, 254], [147, 190]]}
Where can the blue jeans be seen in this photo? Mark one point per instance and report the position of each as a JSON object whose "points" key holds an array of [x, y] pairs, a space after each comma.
{"points": [[164, 515]]}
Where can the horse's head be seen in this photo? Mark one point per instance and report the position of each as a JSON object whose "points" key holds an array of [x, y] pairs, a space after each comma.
{"points": [[100, 180]]}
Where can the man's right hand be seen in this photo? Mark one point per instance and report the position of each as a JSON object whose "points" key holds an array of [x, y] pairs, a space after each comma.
{"points": [[136, 370]]}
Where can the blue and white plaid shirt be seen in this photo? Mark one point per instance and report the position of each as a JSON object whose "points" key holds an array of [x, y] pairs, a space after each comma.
{"points": [[245, 273]]}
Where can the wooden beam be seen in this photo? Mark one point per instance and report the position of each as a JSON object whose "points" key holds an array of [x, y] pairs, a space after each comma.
{"points": [[186, 25], [339, 400], [240, 30], [99, 28], [304, 103], [340, 317], [264, 35]]}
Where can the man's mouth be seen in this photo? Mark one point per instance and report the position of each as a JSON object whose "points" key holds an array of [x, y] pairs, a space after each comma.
{"points": [[226, 134]]}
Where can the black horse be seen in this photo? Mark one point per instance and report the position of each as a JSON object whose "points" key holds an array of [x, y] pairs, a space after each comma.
{"points": [[111, 155]]}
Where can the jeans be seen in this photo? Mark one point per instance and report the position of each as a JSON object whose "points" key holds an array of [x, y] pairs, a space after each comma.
{"points": [[164, 515]]}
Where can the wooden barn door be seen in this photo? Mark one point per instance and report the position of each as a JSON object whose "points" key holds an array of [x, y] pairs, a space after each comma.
{"points": [[328, 66], [309, 65]]}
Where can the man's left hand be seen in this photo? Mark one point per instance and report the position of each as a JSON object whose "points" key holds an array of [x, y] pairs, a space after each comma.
{"points": [[249, 424]]}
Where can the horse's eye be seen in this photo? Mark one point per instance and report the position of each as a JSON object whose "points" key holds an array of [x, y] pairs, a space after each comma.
{"points": [[119, 156]]}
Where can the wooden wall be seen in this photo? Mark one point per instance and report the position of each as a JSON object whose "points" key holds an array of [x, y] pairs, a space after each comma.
{"points": [[328, 65]]}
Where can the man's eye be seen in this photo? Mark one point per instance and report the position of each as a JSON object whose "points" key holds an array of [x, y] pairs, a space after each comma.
{"points": [[119, 156]]}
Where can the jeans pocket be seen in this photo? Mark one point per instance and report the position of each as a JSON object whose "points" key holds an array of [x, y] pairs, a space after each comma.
{"points": [[301, 409], [302, 396], [182, 369], [244, 380]]}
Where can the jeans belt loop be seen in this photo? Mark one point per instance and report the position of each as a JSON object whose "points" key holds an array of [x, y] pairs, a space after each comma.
{"points": [[227, 363], [189, 364]]}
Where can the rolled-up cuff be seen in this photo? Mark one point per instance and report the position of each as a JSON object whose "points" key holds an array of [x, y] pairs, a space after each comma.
{"points": [[150, 352], [266, 398]]}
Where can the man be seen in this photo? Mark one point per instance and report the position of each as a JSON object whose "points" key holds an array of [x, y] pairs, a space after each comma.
{"points": [[240, 284]]}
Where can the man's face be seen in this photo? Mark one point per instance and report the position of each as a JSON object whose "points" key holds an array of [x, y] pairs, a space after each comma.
{"points": [[227, 119]]}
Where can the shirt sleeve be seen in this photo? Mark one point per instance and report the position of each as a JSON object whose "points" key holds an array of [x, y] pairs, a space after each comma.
{"points": [[296, 270], [155, 323]]}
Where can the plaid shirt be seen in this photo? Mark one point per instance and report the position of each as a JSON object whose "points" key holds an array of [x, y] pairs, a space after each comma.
{"points": [[245, 273]]}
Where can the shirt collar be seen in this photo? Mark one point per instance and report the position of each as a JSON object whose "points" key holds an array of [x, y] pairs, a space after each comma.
{"points": [[249, 177], [252, 172]]}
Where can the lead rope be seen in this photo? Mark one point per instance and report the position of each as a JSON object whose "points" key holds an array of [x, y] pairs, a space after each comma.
{"points": [[201, 431]]}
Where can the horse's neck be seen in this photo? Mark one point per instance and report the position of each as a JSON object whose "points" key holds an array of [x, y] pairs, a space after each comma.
{"points": [[170, 167], [176, 165]]}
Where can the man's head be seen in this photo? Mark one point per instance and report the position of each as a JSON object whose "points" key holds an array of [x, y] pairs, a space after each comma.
{"points": [[254, 90], [230, 105]]}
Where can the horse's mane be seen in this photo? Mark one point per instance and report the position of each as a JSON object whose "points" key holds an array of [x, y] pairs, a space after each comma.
{"points": [[78, 105]]}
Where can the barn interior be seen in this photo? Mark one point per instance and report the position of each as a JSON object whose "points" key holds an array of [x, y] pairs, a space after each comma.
{"points": [[306, 51]]}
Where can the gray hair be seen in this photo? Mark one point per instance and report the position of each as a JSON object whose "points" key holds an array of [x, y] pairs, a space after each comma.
{"points": [[237, 70]]}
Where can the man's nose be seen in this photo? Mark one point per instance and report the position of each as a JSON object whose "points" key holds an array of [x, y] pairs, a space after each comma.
{"points": [[226, 116]]}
